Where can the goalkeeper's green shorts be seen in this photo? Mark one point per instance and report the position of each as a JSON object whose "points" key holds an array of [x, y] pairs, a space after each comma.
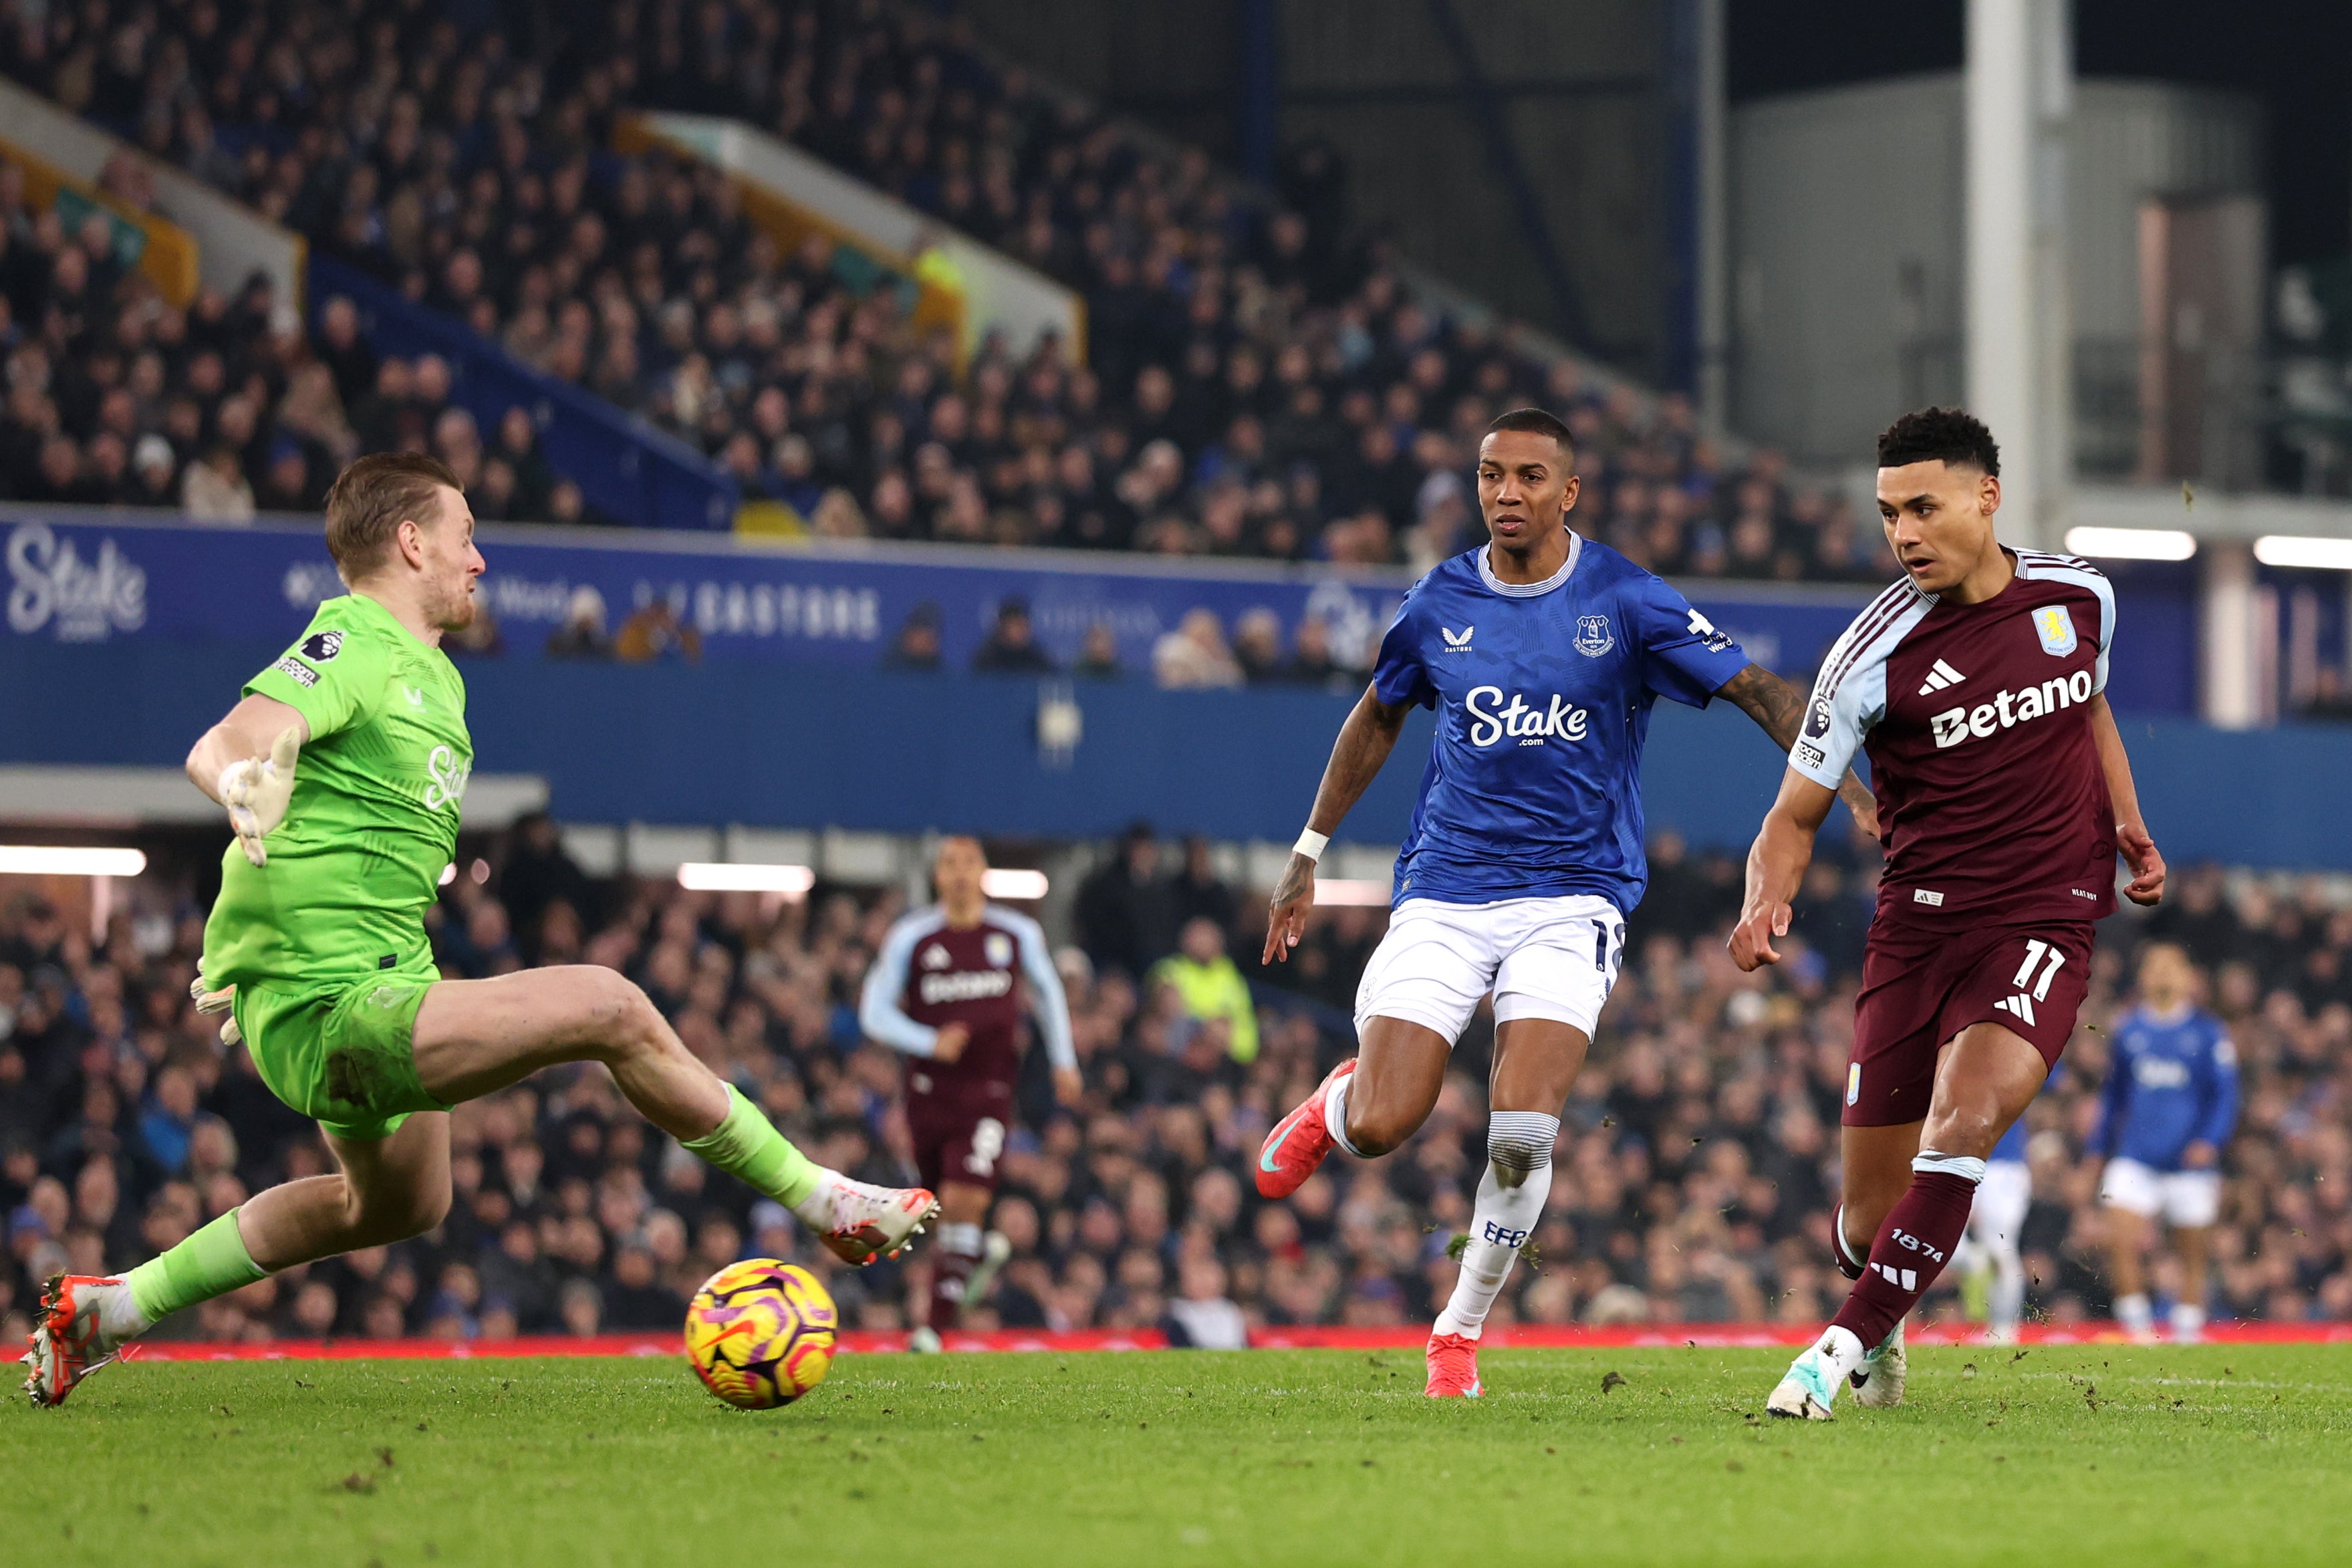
{"points": [[345, 1054]]}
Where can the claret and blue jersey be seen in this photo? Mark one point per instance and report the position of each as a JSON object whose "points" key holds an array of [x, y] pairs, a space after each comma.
{"points": [[2173, 1082], [1543, 694]]}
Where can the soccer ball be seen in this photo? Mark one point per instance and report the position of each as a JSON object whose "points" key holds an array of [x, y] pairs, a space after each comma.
{"points": [[761, 1333]]}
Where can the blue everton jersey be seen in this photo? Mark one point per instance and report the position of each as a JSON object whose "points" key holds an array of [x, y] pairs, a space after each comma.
{"points": [[1543, 694], [2172, 1081]]}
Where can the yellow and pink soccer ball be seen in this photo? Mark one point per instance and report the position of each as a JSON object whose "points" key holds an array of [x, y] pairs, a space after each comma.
{"points": [[761, 1333]]}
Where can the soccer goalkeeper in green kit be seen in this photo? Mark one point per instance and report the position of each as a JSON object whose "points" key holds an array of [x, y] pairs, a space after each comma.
{"points": [[342, 769]]}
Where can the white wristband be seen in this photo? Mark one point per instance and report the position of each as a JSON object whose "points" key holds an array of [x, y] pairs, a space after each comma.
{"points": [[1311, 844]]}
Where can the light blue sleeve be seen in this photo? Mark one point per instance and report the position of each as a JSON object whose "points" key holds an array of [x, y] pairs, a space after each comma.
{"points": [[1048, 1000], [1844, 705], [878, 1013]]}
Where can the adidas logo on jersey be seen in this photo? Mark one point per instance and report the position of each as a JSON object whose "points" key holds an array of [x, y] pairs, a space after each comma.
{"points": [[1940, 677], [2007, 708], [1490, 721], [2019, 1007]]}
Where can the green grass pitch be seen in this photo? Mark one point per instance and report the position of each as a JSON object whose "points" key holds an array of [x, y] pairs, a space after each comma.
{"points": [[2063, 1454]]}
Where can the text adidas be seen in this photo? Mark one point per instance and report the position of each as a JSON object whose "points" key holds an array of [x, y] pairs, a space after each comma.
{"points": [[2007, 708]]}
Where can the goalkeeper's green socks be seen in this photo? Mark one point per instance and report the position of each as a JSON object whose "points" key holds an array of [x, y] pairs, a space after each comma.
{"points": [[212, 1262], [747, 1146]]}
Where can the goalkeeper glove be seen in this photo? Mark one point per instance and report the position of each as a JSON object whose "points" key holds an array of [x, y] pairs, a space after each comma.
{"points": [[214, 1002], [255, 792]]}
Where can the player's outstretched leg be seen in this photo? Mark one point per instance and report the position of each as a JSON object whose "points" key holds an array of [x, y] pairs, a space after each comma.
{"points": [[385, 1189], [1985, 1078], [475, 1036]]}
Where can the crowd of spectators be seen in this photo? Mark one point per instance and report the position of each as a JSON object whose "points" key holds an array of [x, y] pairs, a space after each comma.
{"points": [[1258, 381], [1694, 1171], [115, 396]]}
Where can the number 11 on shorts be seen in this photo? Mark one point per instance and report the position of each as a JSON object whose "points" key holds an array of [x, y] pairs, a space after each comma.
{"points": [[2033, 954]]}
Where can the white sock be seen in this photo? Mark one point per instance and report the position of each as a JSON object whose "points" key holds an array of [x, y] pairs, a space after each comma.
{"points": [[815, 1211], [964, 1240], [2006, 1303], [1510, 1201], [2188, 1322], [1335, 1115], [1841, 1352], [120, 1319], [2134, 1312]]}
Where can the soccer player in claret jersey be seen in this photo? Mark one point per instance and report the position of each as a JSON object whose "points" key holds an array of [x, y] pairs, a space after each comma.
{"points": [[343, 770], [1543, 653], [947, 990], [1977, 684]]}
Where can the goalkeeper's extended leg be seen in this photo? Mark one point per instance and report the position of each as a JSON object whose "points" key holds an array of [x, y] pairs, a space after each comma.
{"points": [[475, 1036], [386, 1190]]}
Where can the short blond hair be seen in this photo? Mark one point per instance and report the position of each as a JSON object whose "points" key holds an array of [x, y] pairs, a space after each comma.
{"points": [[370, 500]]}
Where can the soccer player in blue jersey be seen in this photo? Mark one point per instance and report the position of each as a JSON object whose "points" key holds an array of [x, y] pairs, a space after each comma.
{"points": [[1543, 653], [2169, 1105]]}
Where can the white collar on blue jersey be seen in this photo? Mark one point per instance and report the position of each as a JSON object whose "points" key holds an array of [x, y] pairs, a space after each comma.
{"points": [[1530, 590]]}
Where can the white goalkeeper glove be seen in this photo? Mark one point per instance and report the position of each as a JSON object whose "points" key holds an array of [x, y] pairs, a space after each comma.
{"points": [[212, 1002], [255, 792]]}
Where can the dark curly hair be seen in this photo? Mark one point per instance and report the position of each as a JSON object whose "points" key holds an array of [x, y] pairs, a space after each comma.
{"points": [[1940, 434]]}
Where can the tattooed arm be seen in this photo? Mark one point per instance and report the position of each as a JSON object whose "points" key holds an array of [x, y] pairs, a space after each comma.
{"points": [[1778, 710], [1364, 744]]}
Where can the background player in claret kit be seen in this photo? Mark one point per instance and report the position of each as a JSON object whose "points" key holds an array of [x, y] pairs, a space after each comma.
{"points": [[946, 989], [1977, 686], [342, 771], [2168, 1108], [1543, 653]]}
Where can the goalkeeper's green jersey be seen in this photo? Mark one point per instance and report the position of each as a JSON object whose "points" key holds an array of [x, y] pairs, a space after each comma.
{"points": [[373, 819]]}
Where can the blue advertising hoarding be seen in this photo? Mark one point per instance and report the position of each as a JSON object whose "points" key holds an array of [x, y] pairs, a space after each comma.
{"points": [[76, 575]]}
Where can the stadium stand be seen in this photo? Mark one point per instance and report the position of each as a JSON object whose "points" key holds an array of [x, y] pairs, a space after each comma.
{"points": [[1695, 1167], [1258, 382]]}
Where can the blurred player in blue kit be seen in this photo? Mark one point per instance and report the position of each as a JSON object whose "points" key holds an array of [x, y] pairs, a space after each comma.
{"points": [[2169, 1105]]}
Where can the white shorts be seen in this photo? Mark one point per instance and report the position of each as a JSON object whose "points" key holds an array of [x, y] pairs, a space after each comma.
{"points": [[2002, 1198], [1542, 958], [2188, 1199]]}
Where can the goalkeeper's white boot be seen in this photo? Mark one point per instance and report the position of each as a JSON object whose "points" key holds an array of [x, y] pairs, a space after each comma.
{"points": [[1878, 1380], [870, 1222], [1811, 1385]]}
